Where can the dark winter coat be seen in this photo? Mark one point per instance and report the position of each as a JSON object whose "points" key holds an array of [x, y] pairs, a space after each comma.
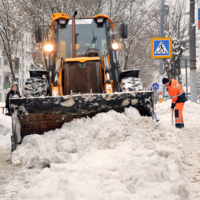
{"points": [[9, 96]]}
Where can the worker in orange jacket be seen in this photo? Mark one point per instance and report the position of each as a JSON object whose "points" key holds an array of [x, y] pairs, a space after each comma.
{"points": [[177, 94]]}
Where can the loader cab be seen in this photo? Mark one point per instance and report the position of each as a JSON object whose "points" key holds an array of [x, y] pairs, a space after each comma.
{"points": [[86, 30]]}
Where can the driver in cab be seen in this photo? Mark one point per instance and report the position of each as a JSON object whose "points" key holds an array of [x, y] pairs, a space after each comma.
{"points": [[82, 48]]}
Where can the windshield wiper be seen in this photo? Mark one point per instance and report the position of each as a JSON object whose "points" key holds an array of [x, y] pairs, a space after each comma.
{"points": [[93, 41]]}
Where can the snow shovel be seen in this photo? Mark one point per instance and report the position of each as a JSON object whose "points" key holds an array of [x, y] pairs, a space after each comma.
{"points": [[172, 116]]}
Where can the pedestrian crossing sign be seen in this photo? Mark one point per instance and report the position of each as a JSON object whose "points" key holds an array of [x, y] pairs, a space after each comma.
{"points": [[161, 47]]}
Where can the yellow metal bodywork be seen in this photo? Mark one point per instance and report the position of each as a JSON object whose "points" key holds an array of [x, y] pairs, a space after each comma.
{"points": [[58, 90], [57, 16], [105, 16], [82, 59], [108, 88]]}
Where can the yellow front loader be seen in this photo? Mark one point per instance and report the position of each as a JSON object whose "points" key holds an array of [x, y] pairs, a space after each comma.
{"points": [[83, 79]]}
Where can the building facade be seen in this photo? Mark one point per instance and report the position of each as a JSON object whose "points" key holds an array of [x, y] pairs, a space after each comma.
{"points": [[23, 60]]}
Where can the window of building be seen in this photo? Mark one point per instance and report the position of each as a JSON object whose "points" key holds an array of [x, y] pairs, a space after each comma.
{"points": [[4, 52], [5, 61], [0, 97], [17, 63], [6, 79]]}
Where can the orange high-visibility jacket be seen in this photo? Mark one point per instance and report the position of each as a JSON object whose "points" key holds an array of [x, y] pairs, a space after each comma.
{"points": [[176, 91]]}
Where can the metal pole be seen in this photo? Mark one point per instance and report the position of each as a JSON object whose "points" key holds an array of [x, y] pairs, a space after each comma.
{"points": [[193, 76], [155, 96], [50, 75], [74, 35], [22, 39], [161, 60], [186, 78]]}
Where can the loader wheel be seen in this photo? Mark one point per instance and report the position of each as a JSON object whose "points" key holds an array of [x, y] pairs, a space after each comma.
{"points": [[129, 84], [35, 87]]}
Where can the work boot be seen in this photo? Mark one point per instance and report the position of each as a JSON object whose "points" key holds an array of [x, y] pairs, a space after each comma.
{"points": [[179, 125], [157, 120]]}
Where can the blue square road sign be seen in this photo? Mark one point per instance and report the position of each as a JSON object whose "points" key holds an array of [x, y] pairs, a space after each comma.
{"points": [[161, 47]]}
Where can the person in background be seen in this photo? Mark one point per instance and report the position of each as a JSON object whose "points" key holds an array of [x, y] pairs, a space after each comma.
{"points": [[177, 94], [13, 93]]}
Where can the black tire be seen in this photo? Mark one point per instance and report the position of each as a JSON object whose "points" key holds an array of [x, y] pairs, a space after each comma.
{"points": [[35, 87], [130, 84]]}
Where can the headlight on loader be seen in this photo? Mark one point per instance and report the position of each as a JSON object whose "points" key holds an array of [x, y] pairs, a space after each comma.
{"points": [[115, 46], [100, 20], [48, 47], [62, 22]]}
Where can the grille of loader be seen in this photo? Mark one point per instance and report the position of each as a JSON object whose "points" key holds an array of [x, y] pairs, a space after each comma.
{"points": [[82, 77]]}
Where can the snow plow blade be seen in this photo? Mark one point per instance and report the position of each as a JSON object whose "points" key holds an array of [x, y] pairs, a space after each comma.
{"points": [[39, 115]]}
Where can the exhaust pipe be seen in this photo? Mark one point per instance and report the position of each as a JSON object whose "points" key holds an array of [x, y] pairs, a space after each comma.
{"points": [[73, 35]]}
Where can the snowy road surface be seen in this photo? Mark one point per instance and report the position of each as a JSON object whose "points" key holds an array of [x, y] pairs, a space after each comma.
{"points": [[190, 139], [111, 156], [13, 177], [191, 159]]}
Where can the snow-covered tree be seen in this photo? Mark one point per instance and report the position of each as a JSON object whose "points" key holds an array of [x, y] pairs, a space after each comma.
{"points": [[176, 25], [11, 20], [136, 50]]}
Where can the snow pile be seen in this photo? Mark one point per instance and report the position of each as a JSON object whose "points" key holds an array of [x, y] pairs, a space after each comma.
{"points": [[5, 130], [112, 156], [5, 137], [131, 84]]}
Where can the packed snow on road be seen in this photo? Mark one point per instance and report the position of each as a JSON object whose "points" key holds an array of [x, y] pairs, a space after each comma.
{"points": [[112, 156]]}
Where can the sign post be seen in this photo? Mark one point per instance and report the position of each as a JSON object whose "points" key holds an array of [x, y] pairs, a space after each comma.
{"points": [[198, 14], [193, 74], [155, 87], [161, 48]]}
